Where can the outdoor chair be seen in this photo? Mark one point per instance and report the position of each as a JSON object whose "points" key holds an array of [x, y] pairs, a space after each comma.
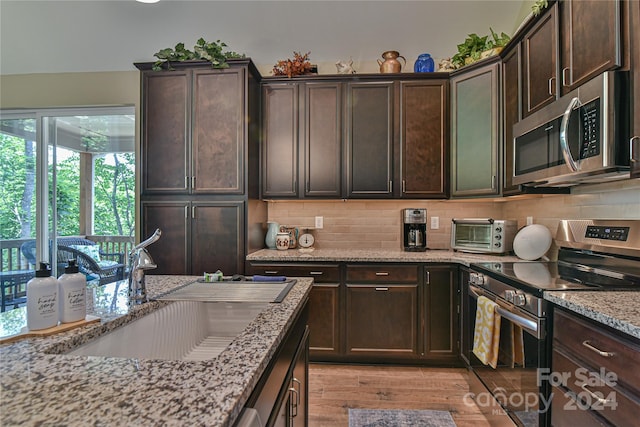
{"points": [[93, 263]]}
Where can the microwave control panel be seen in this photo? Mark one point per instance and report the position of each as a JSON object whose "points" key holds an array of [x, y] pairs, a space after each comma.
{"points": [[590, 129]]}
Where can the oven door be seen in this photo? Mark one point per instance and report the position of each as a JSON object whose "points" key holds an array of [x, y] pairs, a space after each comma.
{"points": [[515, 382]]}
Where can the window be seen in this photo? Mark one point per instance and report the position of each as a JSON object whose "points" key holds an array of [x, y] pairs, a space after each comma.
{"points": [[66, 172]]}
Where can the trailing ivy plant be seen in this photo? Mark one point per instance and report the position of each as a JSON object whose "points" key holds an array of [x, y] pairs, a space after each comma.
{"points": [[203, 50], [473, 46], [538, 6]]}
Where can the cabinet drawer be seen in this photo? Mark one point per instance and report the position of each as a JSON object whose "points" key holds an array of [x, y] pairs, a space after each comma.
{"points": [[322, 273], [382, 273], [564, 412], [598, 347], [594, 393]]}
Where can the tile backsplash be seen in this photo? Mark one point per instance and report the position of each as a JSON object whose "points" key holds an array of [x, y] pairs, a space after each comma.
{"points": [[377, 223]]}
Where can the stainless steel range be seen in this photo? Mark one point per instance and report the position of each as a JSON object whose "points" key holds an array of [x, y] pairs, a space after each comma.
{"points": [[594, 255]]}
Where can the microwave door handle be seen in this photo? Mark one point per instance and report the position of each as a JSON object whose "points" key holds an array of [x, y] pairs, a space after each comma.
{"points": [[564, 130]]}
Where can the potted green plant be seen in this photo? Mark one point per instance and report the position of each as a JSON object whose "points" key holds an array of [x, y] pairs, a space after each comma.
{"points": [[475, 48], [202, 51]]}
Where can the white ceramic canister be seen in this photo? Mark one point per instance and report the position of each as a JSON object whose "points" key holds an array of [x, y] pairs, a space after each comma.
{"points": [[72, 286], [42, 300], [282, 241]]}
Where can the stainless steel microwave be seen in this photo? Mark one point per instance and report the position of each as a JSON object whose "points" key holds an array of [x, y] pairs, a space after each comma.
{"points": [[483, 235], [581, 137]]}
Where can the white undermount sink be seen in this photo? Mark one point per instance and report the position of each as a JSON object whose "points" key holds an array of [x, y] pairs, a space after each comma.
{"points": [[182, 330]]}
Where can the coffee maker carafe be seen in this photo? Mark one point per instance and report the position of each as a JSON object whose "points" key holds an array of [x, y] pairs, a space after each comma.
{"points": [[414, 230]]}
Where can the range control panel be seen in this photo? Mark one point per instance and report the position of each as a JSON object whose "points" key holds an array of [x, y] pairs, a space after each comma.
{"points": [[607, 233]]}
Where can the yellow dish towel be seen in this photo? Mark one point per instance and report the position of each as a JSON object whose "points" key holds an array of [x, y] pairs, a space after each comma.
{"points": [[486, 337]]}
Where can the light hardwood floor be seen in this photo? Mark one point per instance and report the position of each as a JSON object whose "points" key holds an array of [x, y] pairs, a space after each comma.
{"points": [[333, 389]]}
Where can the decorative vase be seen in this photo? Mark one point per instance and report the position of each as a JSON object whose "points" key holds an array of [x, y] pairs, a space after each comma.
{"points": [[424, 64], [391, 63], [282, 241], [272, 232]]}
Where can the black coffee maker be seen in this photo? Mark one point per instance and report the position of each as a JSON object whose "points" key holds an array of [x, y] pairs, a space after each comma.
{"points": [[414, 230]]}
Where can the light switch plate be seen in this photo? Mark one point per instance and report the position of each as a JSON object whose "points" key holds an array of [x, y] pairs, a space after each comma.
{"points": [[435, 222], [529, 220], [319, 222]]}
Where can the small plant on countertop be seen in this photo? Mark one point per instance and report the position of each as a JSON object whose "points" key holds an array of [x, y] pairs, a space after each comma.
{"points": [[297, 66], [203, 50]]}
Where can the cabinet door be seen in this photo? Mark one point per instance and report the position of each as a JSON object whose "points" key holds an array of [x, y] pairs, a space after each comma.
{"points": [[170, 252], [441, 292], [511, 111], [280, 140], [634, 29], [217, 237], [218, 131], [300, 385], [540, 63], [370, 136], [322, 150], [166, 100], [324, 320], [423, 138], [590, 40], [382, 320], [474, 129]]}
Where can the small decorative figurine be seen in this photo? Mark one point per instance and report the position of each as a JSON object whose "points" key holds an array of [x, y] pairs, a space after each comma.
{"points": [[345, 67]]}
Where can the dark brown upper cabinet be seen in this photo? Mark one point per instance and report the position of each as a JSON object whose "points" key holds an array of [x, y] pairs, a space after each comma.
{"points": [[193, 135], [511, 114], [540, 63], [424, 138], [634, 28], [369, 139], [590, 39], [302, 140]]}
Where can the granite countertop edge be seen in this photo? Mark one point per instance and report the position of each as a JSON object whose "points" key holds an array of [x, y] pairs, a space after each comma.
{"points": [[375, 255], [619, 310], [55, 389]]}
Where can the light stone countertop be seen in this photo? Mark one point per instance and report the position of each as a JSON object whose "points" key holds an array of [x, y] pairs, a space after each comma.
{"points": [[39, 386], [619, 310], [375, 255]]}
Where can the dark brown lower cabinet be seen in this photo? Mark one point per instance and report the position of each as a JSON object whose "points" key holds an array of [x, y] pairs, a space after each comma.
{"points": [[382, 320], [442, 302], [379, 312], [196, 237]]}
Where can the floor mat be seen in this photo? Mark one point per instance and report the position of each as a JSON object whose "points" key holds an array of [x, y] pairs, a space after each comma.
{"points": [[397, 418]]}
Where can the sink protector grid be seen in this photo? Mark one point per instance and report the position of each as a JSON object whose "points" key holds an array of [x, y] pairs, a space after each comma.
{"points": [[231, 292], [182, 330]]}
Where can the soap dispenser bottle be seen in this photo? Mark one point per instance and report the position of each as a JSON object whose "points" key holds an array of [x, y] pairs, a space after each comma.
{"points": [[42, 299], [72, 288]]}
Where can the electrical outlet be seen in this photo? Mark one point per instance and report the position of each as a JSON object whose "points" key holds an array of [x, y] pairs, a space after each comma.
{"points": [[319, 222], [435, 222], [529, 220]]}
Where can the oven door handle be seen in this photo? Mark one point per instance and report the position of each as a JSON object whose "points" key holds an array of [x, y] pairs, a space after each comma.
{"points": [[529, 324]]}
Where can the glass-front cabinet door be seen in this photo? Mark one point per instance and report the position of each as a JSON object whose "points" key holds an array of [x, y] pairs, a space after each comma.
{"points": [[474, 131]]}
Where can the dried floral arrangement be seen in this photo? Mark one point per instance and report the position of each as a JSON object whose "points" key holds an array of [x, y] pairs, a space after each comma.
{"points": [[297, 66]]}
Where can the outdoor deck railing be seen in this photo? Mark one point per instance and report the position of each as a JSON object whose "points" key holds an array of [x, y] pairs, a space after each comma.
{"points": [[12, 259]]}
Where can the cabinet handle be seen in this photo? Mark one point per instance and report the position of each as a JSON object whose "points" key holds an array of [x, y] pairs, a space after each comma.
{"points": [[493, 182], [186, 182], [297, 381], [551, 80], [193, 212], [599, 399], [428, 278], [587, 344], [564, 76], [390, 186], [316, 273], [382, 273], [271, 272], [294, 403], [186, 212], [193, 182], [404, 186], [382, 289]]}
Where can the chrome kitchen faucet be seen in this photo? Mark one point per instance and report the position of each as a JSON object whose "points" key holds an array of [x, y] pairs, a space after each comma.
{"points": [[139, 261]]}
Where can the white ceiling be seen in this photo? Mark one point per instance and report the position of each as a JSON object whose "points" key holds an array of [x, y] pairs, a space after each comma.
{"points": [[92, 35]]}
